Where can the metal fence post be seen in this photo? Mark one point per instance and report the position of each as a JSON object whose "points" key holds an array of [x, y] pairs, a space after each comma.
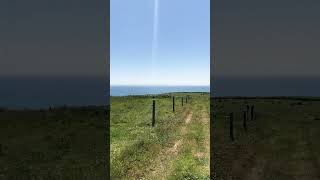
{"points": [[245, 120], [173, 108], [153, 113], [231, 127]]}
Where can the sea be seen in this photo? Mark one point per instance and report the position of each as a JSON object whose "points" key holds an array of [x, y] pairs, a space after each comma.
{"points": [[37, 92], [43, 92], [147, 90], [308, 86]]}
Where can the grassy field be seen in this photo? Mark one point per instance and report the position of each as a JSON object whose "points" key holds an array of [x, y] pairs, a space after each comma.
{"points": [[282, 142], [176, 148], [63, 143]]}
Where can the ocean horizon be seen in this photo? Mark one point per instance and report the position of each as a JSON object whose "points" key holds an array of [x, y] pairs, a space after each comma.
{"points": [[128, 90], [42, 92], [308, 86]]}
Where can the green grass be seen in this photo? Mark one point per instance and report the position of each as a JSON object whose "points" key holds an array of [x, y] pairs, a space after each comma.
{"points": [[140, 151], [64, 143], [281, 143], [69, 143]]}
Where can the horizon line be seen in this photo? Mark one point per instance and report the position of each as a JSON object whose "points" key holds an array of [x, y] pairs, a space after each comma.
{"points": [[159, 84]]}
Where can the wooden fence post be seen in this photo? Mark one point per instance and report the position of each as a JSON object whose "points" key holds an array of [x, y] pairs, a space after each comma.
{"points": [[252, 112], [186, 99], [182, 101], [231, 127], [173, 103], [153, 113], [227, 119], [245, 120]]}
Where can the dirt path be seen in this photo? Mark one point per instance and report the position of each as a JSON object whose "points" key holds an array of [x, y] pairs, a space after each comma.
{"points": [[205, 120], [159, 169], [189, 117], [302, 163], [256, 172], [183, 131], [186, 145], [312, 155]]}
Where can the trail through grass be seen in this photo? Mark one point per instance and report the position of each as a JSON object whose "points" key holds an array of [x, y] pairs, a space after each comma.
{"points": [[281, 143], [174, 149]]}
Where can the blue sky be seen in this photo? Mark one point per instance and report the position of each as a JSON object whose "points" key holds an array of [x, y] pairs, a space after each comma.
{"points": [[182, 49]]}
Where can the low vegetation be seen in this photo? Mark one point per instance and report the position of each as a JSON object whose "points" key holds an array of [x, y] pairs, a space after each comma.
{"points": [[176, 148], [280, 143], [60, 143]]}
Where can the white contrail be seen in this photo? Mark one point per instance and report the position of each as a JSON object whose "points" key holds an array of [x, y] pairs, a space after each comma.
{"points": [[154, 38]]}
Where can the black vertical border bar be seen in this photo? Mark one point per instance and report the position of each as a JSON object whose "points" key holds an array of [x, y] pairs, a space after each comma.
{"points": [[212, 92], [107, 88]]}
